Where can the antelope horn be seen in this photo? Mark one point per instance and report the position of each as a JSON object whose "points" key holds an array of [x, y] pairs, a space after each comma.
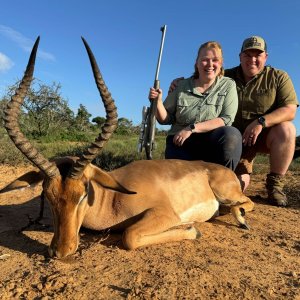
{"points": [[11, 124], [110, 123]]}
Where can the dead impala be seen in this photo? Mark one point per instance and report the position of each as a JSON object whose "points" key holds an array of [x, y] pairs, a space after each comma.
{"points": [[145, 199]]}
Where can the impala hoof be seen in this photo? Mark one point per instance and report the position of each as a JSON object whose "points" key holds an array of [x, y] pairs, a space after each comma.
{"points": [[245, 226], [198, 235]]}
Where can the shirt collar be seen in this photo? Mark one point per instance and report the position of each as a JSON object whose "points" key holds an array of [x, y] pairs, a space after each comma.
{"points": [[193, 89], [240, 75]]}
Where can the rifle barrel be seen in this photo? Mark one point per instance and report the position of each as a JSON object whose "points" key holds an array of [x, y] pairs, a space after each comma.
{"points": [[147, 133], [163, 30]]}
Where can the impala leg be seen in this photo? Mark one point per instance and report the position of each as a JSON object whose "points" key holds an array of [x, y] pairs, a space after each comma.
{"points": [[155, 227], [239, 211]]}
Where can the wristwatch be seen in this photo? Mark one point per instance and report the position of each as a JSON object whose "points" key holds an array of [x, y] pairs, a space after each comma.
{"points": [[262, 121], [192, 127]]}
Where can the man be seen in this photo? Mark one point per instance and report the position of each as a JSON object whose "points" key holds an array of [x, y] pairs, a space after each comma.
{"points": [[267, 106]]}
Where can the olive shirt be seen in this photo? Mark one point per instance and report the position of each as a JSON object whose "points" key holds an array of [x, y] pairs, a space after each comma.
{"points": [[267, 91], [186, 105]]}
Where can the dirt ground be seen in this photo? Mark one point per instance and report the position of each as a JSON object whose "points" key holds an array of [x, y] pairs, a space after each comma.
{"points": [[225, 263]]}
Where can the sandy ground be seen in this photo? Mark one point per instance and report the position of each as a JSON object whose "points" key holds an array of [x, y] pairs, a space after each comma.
{"points": [[225, 263]]}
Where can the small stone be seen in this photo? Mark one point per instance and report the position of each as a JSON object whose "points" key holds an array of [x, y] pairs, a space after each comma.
{"points": [[47, 285], [294, 274], [11, 286], [71, 280]]}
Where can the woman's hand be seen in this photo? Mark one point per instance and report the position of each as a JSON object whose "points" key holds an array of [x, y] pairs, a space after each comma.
{"points": [[161, 113], [155, 94], [181, 136]]}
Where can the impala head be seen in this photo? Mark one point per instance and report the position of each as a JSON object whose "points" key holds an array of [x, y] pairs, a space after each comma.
{"points": [[65, 187], [68, 202]]}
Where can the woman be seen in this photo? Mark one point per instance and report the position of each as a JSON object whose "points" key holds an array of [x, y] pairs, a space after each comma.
{"points": [[200, 111]]}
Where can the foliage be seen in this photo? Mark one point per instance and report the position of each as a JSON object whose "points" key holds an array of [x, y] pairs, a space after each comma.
{"points": [[9, 154], [44, 111], [99, 121], [81, 122], [119, 150], [3, 104], [46, 116], [125, 126]]}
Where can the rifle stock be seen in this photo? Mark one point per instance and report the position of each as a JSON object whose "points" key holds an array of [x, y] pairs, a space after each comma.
{"points": [[143, 130], [148, 126]]}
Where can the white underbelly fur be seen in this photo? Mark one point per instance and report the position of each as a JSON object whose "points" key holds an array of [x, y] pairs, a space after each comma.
{"points": [[200, 212]]}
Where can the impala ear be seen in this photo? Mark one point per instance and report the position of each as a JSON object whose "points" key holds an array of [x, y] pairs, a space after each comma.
{"points": [[105, 180], [27, 180]]}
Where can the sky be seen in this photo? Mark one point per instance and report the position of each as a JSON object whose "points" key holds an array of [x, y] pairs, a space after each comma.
{"points": [[125, 37]]}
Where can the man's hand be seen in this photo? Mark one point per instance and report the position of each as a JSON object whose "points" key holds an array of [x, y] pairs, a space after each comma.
{"points": [[251, 133], [181, 136], [174, 84]]}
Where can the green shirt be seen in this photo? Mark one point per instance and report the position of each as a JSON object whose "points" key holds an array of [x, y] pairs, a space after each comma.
{"points": [[185, 105], [267, 91]]}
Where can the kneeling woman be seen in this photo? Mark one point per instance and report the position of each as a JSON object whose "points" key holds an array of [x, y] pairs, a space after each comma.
{"points": [[200, 111]]}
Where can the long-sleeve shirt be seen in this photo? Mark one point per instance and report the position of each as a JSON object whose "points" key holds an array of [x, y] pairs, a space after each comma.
{"points": [[186, 105]]}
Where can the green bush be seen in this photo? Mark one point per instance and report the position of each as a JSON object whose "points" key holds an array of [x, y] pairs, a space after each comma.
{"points": [[9, 154], [119, 151]]}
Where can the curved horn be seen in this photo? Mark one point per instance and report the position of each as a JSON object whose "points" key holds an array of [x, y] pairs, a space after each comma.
{"points": [[107, 129], [12, 112]]}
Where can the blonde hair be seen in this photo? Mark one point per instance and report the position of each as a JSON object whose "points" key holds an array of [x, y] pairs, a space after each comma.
{"points": [[209, 45]]}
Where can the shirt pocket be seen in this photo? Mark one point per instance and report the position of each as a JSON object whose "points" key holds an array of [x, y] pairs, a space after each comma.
{"points": [[214, 105], [264, 100], [187, 109]]}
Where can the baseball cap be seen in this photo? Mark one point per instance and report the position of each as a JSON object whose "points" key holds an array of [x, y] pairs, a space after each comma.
{"points": [[254, 42]]}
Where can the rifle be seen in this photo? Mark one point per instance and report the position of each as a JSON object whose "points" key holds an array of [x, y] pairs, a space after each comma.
{"points": [[147, 132]]}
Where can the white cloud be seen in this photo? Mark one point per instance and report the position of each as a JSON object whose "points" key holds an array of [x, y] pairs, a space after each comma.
{"points": [[23, 42], [5, 63]]}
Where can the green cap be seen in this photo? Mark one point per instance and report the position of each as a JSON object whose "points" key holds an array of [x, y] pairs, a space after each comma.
{"points": [[254, 42]]}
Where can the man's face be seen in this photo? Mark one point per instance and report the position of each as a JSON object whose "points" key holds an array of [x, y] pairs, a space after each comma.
{"points": [[252, 62]]}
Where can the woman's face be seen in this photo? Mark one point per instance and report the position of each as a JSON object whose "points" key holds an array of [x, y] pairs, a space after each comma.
{"points": [[209, 63]]}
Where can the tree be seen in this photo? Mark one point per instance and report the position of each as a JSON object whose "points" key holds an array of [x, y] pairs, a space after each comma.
{"points": [[99, 121], [44, 110], [124, 126], [82, 119]]}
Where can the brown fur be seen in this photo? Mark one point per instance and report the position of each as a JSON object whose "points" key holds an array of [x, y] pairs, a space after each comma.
{"points": [[145, 199]]}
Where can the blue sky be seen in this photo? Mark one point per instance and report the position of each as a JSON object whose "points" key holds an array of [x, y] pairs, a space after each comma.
{"points": [[125, 38]]}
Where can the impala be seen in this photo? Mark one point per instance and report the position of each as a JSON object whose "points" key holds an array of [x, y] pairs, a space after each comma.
{"points": [[146, 199]]}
